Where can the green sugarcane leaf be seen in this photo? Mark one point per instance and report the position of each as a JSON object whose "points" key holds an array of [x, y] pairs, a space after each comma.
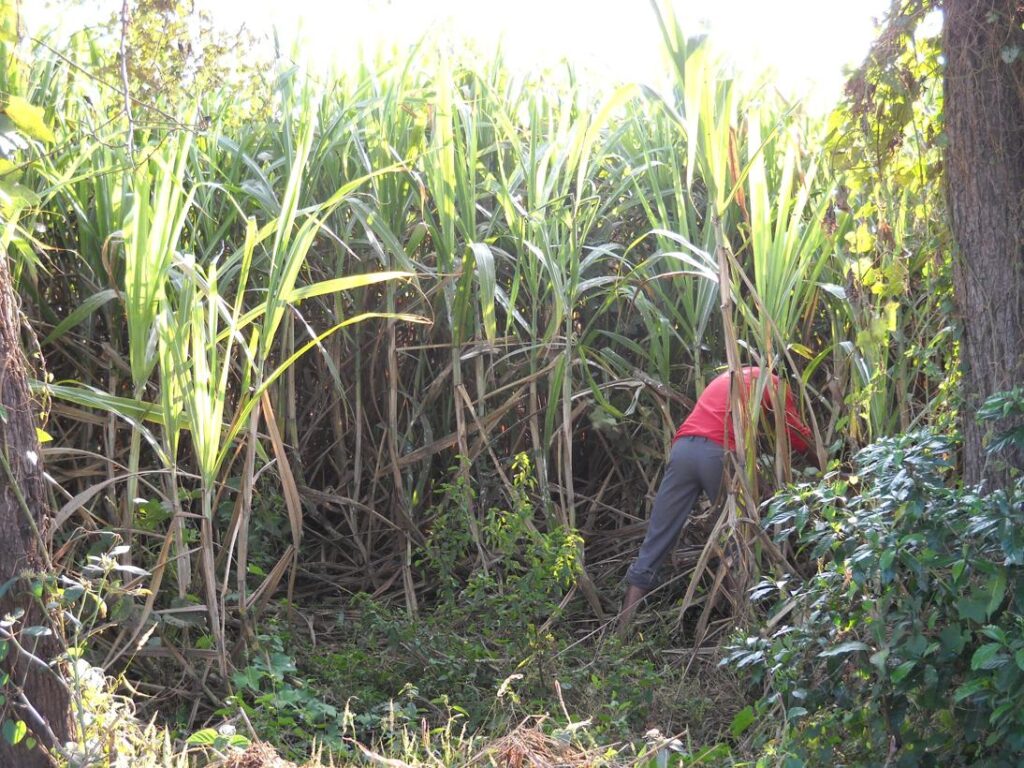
{"points": [[485, 275], [81, 312]]}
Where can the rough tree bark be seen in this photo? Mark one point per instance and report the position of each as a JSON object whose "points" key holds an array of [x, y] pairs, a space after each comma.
{"points": [[33, 692], [984, 115]]}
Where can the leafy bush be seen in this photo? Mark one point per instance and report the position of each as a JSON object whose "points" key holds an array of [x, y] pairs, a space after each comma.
{"points": [[503, 563], [908, 641]]}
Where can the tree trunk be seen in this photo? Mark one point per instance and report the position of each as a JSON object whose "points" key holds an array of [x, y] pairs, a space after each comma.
{"points": [[34, 695], [984, 115]]}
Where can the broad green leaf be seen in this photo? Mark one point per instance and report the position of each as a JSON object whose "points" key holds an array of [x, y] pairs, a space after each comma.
{"points": [[995, 633], [891, 315], [902, 670], [204, 738], [952, 639], [973, 609], [970, 688], [741, 722], [885, 561], [14, 196], [848, 647], [29, 119], [14, 731], [988, 656], [998, 593], [861, 241]]}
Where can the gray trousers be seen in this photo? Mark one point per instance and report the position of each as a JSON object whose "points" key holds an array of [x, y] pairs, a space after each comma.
{"points": [[694, 465]]}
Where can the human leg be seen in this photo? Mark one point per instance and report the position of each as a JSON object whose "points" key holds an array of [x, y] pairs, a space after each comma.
{"points": [[676, 495], [709, 464], [694, 464]]}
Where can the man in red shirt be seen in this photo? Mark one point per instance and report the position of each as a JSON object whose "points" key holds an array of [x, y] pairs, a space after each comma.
{"points": [[695, 465]]}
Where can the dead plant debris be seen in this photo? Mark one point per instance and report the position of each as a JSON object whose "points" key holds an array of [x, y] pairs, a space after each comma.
{"points": [[259, 754], [529, 747]]}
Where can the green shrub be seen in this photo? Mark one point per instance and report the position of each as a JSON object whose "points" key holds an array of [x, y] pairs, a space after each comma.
{"points": [[909, 638], [282, 705], [505, 561]]}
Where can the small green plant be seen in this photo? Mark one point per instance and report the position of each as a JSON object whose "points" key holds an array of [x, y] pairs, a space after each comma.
{"points": [[281, 704], [80, 609], [220, 740], [505, 562], [485, 649]]}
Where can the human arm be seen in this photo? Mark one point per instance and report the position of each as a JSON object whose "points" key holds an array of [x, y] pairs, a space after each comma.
{"points": [[800, 436]]}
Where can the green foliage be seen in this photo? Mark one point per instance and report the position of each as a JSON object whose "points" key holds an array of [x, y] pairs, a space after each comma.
{"points": [[24, 128], [283, 706], [499, 579], [78, 608], [28, 119], [220, 740], [911, 632], [490, 674], [504, 562], [484, 624], [885, 147], [483, 652], [330, 698], [1006, 408], [165, 77]]}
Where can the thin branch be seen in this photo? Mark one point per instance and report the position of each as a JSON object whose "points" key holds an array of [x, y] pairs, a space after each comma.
{"points": [[125, 18]]}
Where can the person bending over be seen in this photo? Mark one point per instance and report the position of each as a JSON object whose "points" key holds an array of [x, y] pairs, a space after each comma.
{"points": [[695, 464]]}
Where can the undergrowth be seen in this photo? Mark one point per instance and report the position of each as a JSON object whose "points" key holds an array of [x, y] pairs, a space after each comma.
{"points": [[497, 643], [905, 646], [389, 676]]}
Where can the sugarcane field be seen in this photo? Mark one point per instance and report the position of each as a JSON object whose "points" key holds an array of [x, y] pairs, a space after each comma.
{"points": [[562, 384]]}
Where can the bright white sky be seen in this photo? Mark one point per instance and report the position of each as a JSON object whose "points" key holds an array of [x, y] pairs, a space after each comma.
{"points": [[806, 42]]}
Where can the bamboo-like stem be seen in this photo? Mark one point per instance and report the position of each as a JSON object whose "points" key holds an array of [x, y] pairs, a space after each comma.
{"points": [[206, 552]]}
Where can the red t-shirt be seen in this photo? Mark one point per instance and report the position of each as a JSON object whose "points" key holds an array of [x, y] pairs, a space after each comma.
{"points": [[711, 418]]}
